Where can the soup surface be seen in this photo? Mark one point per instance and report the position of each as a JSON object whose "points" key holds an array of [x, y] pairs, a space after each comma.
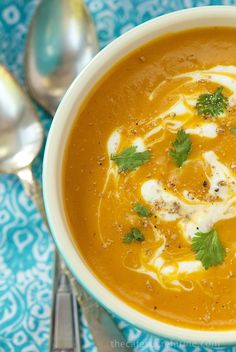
{"points": [[149, 179]]}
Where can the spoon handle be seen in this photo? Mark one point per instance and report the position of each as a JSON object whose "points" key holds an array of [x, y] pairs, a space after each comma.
{"points": [[106, 334], [65, 316], [64, 334]]}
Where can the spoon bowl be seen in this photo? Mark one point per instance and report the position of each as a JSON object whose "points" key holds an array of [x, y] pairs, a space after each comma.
{"points": [[20, 129], [61, 42]]}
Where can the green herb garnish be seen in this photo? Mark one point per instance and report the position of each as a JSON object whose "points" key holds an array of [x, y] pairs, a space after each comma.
{"points": [[212, 104], [208, 248], [141, 210], [181, 148], [233, 130], [129, 159], [135, 235]]}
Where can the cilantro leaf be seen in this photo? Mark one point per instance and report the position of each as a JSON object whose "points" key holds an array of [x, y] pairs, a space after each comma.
{"points": [[181, 148], [212, 104], [129, 159], [141, 210], [135, 235], [233, 130], [208, 248]]}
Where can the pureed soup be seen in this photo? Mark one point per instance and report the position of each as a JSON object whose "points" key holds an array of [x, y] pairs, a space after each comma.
{"points": [[149, 179]]}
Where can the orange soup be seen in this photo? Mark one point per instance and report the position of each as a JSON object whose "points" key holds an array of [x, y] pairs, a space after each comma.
{"points": [[149, 179]]}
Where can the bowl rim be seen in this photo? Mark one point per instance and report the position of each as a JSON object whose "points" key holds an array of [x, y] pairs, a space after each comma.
{"points": [[52, 186]]}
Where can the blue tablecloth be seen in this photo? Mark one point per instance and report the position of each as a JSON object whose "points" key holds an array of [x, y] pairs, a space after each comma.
{"points": [[26, 250]]}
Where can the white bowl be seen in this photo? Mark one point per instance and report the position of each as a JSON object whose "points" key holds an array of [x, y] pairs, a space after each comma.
{"points": [[52, 167]]}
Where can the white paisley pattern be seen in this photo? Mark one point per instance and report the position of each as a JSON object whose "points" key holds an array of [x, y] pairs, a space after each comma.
{"points": [[26, 251]]}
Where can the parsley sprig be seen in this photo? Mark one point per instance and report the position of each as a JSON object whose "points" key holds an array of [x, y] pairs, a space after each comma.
{"points": [[212, 104], [141, 210], [181, 148], [135, 235], [129, 159], [233, 130], [208, 248]]}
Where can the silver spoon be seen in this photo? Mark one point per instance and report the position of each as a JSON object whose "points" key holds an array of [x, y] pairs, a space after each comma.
{"points": [[21, 138], [61, 41]]}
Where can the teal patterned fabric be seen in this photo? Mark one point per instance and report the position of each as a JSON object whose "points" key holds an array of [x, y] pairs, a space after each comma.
{"points": [[26, 251]]}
